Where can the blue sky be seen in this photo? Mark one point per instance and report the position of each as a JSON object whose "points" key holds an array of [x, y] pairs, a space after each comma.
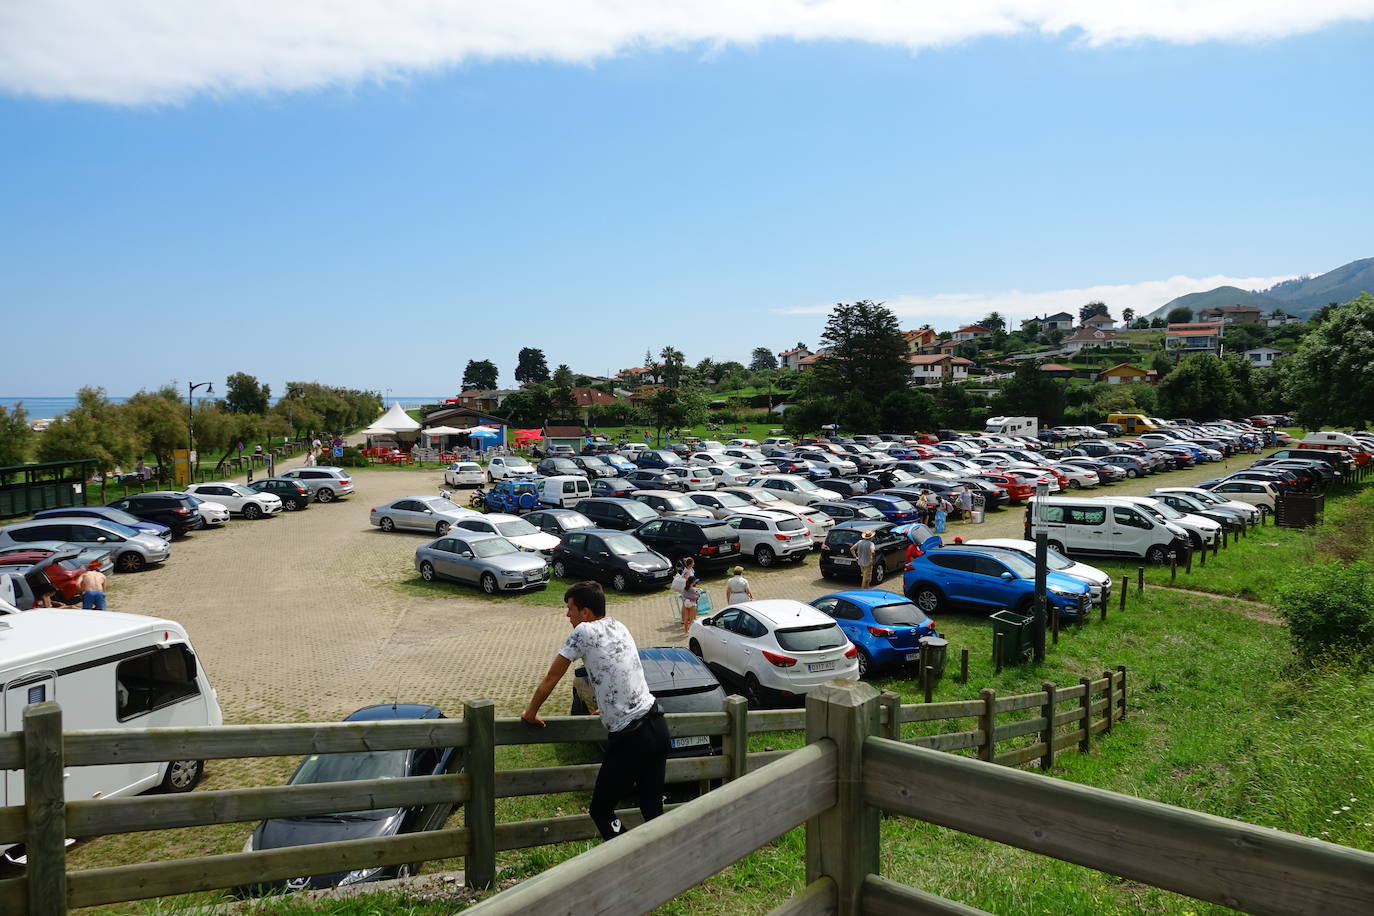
{"points": [[219, 211]]}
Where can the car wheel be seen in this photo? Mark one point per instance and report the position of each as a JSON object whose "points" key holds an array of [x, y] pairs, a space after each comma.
{"points": [[130, 561], [753, 692], [864, 664], [928, 599], [1132, 473], [620, 582], [325, 496], [1158, 555], [560, 570], [442, 528], [489, 584], [879, 572], [290, 505], [1055, 546], [765, 556], [827, 574], [182, 775], [1074, 484], [577, 708], [695, 648], [406, 871], [427, 571], [387, 524]]}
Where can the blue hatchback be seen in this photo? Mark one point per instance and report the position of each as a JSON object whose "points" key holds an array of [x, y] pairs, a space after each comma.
{"points": [[894, 508], [988, 579], [887, 628], [142, 526]]}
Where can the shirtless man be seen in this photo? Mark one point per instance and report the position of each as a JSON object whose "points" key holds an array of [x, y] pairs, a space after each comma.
{"points": [[92, 584]]}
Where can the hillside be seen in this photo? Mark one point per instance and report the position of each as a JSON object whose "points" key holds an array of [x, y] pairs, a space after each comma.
{"points": [[1302, 296]]}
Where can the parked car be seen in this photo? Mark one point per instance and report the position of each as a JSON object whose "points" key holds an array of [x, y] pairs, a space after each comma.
{"points": [[1202, 532], [305, 830], [106, 513], [711, 542], [559, 522], [511, 527], [616, 558], [720, 504], [238, 499], [687, 477], [1232, 519], [503, 466], [486, 560], [793, 488], [1016, 490], [38, 572], [775, 649], [213, 513], [293, 494], [837, 562], [1256, 493], [886, 628], [133, 550], [419, 513], [650, 479], [657, 458], [325, 483], [173, 509], [593, 466], [559, 467], [613, 486], [817, 522], [895, 508], [667, 503], [464, 474], [617, 513], [728, 475], [988, 579], [1099, 582], [770, 536], [845, 488], [845, 510]]}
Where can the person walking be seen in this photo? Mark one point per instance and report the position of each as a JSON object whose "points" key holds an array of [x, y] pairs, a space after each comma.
{"points": [[737, 587], [637, 746], [92, 585], [966, 504], [863, 551], [923, 507], [691, 594]]}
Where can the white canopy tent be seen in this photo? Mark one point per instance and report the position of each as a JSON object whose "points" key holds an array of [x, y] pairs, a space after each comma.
{"points": [[397, 420]]}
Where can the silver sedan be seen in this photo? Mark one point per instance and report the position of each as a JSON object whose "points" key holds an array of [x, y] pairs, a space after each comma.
{"points": [[488, 561], [419, 513]]}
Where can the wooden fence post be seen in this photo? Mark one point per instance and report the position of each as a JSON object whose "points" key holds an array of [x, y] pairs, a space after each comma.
{"points": [[997, 640], [1140, 580], [1188, 560], [46, 809], [963, 666], [1223, 538], [1202, 557], [1125, 590], [1111, 700], [1173, 567], [1121, 670], [479, 811], [1085, 706], [892, 702], [1216, 546], [842, 841], [988, 722], [736, 747], [1047, 734]]}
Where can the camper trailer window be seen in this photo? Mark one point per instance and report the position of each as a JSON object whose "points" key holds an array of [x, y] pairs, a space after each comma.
{"points": [[38, 694], [154, 680]]}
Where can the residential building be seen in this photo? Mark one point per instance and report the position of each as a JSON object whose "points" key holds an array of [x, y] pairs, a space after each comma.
{"points": [[634, 376], [1100, 321], [970, 332], [1262, 357], [584, 399], [936, 368], [575, 436], [1194, 337], [791, 359], [1277, 321], [1090, 337], [806, 362], [1231, 314], [1055, 370], [1125, 373], [1059, 321], [919, 338], [478, 399]]}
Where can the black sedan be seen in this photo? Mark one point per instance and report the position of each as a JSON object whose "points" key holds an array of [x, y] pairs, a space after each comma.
{"points": [[613, 486], [558, 522], [615, 558], [294, 495], [175, 510], [844, 510], [279, 833]]}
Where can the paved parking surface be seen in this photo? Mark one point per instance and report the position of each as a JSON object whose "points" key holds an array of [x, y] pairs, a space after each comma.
{"points": [[299, 617]]}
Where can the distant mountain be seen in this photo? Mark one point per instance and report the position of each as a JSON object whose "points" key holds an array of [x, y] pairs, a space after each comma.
{"points": [[1301, 297]]}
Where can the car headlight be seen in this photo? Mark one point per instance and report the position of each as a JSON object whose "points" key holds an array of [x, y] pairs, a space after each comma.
{"points": [[638, 567], [360, 875], [1063, 592]]}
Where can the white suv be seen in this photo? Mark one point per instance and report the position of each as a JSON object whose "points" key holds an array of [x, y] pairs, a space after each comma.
{"points": [[771, 536], [774, 648], [503, 466], [238, 499]]}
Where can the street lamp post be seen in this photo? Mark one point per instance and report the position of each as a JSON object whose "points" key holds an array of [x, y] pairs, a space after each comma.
{"points": [[191, 420]]}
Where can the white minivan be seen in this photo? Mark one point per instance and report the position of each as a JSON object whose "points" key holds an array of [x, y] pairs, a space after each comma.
{"points": [[1103, 527], [1202, 532], [563, 491]]}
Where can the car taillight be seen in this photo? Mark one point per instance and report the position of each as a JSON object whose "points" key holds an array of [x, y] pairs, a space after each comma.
{"points": [[852, 651], [181, 510], [708, 550], [881, 631], [779, 661], [781, 537]]}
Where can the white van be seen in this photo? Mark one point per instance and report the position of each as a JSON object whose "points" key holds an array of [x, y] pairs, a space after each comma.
{"points": [[563, 491], [1103, 527], [108, 671], [1202, 532]]}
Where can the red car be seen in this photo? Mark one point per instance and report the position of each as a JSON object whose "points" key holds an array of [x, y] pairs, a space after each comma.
{"points": [[1052, 472], [38, 565], [1016, 490]]}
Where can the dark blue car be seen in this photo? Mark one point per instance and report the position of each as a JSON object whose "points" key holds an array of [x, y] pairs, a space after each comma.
{"points": [[887, 628], [988, 579], [894, 508], [109, 514]]}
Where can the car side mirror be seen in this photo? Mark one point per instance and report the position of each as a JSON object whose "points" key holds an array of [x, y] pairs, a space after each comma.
{"points": [[1006, 575], [465, 553], [708, 622]]}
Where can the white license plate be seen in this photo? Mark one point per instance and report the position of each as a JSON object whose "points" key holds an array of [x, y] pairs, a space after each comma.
{"points": [[912, 656], [820, 666], [843, 561], [693, 741]]}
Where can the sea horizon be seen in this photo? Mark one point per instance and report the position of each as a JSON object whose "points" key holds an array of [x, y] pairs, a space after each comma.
{"points": [[44, 407]]}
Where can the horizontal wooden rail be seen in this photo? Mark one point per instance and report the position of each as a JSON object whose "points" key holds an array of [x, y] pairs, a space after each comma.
{"points": [[570, 829], [884, 897], [681, 848], [1249, 868], [816, 899]]}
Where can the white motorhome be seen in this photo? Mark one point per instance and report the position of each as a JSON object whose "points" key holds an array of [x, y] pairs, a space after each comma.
{"points": [[1013, 426], [106, 670]]}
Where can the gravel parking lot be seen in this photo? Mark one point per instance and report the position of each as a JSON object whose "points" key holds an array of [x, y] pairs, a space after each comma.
{"points": [[301, 617]]}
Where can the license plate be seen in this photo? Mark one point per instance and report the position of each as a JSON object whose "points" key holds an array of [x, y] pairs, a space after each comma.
{"points": [[693, 741], [820, 666], [912, 656], [843, 561]]}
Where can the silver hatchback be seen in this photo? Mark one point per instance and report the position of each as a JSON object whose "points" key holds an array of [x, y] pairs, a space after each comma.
{"points": [[488, 561]]}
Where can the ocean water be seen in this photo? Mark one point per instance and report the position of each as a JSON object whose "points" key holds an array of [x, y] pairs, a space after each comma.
{"points": [[47, 408]]}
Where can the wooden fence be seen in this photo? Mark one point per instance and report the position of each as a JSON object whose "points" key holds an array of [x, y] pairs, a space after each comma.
{"points": [[1008, 730]]}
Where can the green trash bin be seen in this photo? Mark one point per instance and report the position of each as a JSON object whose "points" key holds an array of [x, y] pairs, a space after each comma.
{"points": [[1016, 637]]}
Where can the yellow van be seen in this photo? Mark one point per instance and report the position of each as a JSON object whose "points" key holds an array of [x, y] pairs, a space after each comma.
{"points": [[1132, 423]]}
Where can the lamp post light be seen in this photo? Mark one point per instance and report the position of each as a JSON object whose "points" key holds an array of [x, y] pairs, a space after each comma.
{"points": [[1042, 491], [191, 388]]}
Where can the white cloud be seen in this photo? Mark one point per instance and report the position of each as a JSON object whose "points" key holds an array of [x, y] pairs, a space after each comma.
{"points": [[946, 311], [137, 52]]}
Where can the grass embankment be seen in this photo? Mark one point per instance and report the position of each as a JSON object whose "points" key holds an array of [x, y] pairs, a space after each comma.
{"points": [[1221, 720]]}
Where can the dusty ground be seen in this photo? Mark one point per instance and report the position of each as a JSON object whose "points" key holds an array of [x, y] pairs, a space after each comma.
{"points": [[300, 617]]}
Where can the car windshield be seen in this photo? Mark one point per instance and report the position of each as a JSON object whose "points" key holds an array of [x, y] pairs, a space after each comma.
{"points": [[575, 520], [900, 614], [594, 461], [804, 484], [624, 545], [811, 639], [868, 512], [791, 524], [731, 501], [678, 503], [843, 537], [516, 528], [518, 464], [1018, 564], [119, 516], [240, 490], [122, 529], [638, 510], [319, 768], [493, 547], [902, 505], [438, 504]]}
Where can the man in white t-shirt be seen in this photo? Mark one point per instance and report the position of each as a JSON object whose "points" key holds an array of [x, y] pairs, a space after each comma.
{"points": [[637, 746]]}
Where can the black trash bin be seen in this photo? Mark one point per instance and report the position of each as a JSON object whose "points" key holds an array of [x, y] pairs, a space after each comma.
{"points": [[933, 652], [1016, 637]]}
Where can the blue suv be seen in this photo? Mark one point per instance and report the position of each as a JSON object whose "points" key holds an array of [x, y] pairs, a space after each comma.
{"points": [[887, 628], [988, 579]]}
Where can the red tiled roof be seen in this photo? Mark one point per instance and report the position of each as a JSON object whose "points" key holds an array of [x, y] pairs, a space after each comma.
{"points": [[972, 327], [1055, 367]]}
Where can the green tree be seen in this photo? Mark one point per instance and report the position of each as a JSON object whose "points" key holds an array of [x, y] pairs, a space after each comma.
{"points": [[953, 407], [673, 364], [1158, 322], [675, 408], [480, 374], [1031, 393], [158, 424], [1127, 315], [1140, 324], [243, 394], [762, 358], [1179, 314], [865, 354], [1200, 386], [15, 435], [531, 367], [994, 321], [529, 406], [1331, 378], [906, 410], [94, 428], [563, 376], [1031, 329], [1091, 309]]}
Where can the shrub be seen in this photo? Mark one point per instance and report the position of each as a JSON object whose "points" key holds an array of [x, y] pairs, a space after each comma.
{"points": [[1328, 610], [352, 458]]}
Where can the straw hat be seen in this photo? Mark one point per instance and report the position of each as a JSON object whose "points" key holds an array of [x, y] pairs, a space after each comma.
{"points": [[868, 535]]}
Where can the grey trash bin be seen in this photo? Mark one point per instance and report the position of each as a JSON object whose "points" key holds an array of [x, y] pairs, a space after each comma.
{"points": [[1016, 637], [933, 653]]}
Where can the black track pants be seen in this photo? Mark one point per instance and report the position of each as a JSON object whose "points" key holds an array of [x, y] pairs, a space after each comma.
{"points": [[635, 759]]}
